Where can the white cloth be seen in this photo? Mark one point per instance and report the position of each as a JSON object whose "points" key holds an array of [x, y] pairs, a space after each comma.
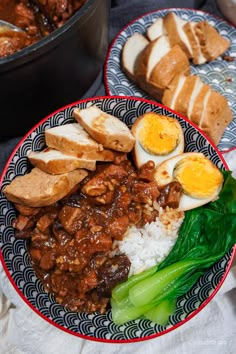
{"points": [[212, 331]]}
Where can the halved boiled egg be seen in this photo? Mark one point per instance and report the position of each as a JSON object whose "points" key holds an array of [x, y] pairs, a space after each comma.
{"points": [[200, 179], [157, 137]]}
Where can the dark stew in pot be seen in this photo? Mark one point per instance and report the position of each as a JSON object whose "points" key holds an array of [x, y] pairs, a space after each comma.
{"points": [[37, 18]]}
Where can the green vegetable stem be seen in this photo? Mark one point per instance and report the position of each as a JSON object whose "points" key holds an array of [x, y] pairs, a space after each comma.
{"points": [[206, 234]]}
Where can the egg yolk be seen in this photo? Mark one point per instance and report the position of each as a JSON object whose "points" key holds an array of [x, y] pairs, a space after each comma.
{"points": [[199, 177], [159, 135]]}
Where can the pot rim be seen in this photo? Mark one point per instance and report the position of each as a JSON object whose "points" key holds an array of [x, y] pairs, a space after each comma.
{"points": [[33, 51]]}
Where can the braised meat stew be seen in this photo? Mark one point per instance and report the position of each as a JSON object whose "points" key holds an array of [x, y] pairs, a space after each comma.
{"points": [[37, 19], [70, 243]]}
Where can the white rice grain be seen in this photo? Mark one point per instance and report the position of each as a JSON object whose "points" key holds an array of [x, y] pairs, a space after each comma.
{"points": [[149, 245]]}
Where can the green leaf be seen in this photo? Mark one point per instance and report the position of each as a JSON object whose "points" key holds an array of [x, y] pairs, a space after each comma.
{"points": [[227, 197], [206, 234]]}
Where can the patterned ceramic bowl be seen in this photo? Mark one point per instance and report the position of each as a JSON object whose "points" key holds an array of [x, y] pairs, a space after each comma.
{"points": [[219, 74], [16, 261]]}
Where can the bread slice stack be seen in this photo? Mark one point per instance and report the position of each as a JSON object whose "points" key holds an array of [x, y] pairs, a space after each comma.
{"points": [[160, 65]]}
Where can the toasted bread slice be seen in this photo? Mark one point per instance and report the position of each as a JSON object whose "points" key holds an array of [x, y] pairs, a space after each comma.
{"points": [[212, 43], [38, 188], [73, 139], [108, 130], [131, 50], [156, 29], [174, 28], [56, 162]]}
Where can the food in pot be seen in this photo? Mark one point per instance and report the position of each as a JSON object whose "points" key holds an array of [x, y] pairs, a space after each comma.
{"points": [[36, 18]]}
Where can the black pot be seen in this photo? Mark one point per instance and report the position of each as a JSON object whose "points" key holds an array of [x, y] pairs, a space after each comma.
{"points": [[55, 71]]}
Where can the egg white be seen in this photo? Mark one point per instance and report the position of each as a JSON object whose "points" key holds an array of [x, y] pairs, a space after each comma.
{"points": [[141, 156], [164, 174]]}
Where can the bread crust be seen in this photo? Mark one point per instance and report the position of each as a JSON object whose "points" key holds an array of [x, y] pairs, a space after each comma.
{"points": [[38, 188]]}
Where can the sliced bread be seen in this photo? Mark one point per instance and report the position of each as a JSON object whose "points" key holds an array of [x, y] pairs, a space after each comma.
{"points": [[105, 128], [38, 188], [56, 162], [73, 139]]}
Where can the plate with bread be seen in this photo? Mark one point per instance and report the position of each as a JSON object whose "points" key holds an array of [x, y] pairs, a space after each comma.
{"points": [[184, 59], [83, 197]]}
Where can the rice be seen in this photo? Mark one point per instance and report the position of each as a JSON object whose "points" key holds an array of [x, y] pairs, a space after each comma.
{"points": [[149, 245]]}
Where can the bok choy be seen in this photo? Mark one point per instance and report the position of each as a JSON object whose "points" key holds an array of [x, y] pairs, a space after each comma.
{"points": [[206, 234]]}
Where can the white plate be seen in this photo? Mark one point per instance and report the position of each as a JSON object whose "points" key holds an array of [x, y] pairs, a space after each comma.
{"points": [[219, 74]]}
